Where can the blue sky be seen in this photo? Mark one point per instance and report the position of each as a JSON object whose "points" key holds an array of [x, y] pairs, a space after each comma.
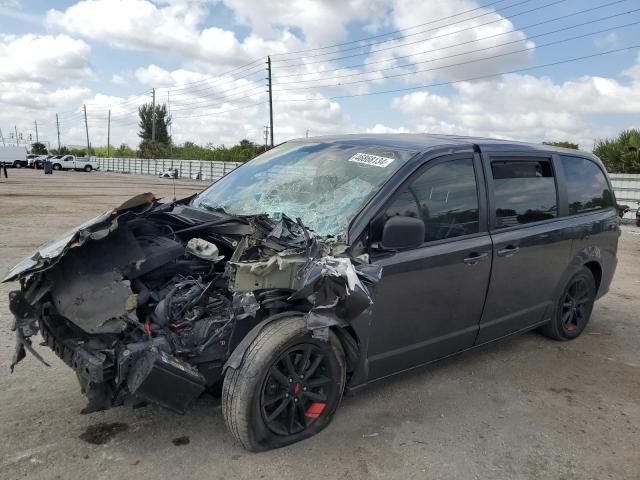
{"points": [[57, 56]]}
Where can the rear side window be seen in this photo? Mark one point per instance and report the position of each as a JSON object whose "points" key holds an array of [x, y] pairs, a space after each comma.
{"points": [[587, 187], [524, 192]]}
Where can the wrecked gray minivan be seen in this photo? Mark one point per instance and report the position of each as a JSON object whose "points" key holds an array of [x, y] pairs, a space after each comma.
{"points": [[321, 265]]}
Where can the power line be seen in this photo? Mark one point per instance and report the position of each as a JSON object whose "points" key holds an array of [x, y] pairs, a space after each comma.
{"points": [[562, 17], [222, 111], [482, 7], [221, 97], [555, 42], [471, 79], [190, 90], [502, 18]]}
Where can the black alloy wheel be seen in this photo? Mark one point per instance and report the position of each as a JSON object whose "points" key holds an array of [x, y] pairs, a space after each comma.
{"points": [[286, 388], [577, 306], [297, 389], [574, 307]]}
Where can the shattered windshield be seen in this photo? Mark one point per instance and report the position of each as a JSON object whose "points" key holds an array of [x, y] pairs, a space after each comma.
{"points": [[324, 184]]}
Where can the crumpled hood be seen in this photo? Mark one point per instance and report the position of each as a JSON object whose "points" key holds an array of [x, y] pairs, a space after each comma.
{"points": [[98, 227]]}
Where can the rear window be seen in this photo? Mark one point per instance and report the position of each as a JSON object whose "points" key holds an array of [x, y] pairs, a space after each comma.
{"points": [[524, 192], [587, 187]]}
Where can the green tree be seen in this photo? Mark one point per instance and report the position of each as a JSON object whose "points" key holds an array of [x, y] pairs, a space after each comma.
{"points": [[162, 121], [620, 154], [151, 149], [563, 144], [61, 151], [39, 148]]}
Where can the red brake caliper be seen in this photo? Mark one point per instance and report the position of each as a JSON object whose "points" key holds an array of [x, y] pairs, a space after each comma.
{"points": [[315, 410]]}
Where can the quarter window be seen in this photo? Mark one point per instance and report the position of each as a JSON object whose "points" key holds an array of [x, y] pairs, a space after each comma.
{"points": [[524, 192], [587, 187], [445, 197]]}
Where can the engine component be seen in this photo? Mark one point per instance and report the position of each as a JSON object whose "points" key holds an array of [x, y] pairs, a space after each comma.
{"points": [[204, 250]]}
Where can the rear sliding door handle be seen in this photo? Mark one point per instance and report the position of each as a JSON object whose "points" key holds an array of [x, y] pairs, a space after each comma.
{"points": [[508, 251], [476, 257]]}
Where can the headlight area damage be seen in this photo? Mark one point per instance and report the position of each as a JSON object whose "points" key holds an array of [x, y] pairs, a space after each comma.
{"points": [[149, 301]]}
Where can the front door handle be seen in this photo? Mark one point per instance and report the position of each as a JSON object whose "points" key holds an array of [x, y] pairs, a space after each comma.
{"points": [[508, 251], [476, 257]]}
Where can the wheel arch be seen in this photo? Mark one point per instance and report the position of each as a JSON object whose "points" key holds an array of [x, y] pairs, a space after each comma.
{"points": [[346, 335], [596, 271]]}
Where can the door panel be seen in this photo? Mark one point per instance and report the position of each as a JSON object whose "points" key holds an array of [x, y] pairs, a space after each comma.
{"points": [[527, 264], [429, 300], [531, 242], [428, 304]]}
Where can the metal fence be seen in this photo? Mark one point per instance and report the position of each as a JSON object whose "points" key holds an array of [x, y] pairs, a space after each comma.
{"points": [[195, 169], [627, 189]]}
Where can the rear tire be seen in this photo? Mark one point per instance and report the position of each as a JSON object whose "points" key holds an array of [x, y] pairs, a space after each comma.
{"points": [[57, 166], [573, 309], [267, 402], [87, 168]]}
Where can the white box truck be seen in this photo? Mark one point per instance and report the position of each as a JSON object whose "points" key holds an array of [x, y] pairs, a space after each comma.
{"points": [[13, 156]]}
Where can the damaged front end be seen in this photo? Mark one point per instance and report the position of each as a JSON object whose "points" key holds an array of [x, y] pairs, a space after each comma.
{"points": [[149, 301]]}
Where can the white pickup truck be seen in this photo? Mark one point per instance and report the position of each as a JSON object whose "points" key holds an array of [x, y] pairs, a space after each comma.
{"points": [[71, 162]]}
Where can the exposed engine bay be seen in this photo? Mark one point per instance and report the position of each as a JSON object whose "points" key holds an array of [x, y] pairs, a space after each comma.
{"points": [[149, 301]]}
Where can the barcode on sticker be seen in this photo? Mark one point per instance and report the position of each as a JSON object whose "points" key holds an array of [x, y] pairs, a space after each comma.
{"points": [[373, 160]]}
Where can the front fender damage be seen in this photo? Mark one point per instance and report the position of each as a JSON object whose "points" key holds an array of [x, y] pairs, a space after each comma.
{"points": [[147, 303]]}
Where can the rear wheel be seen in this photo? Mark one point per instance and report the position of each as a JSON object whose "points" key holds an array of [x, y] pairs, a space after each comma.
{"points": [[17, 165], [87, 168], [287, 388], [57, 166], [574, 307]]}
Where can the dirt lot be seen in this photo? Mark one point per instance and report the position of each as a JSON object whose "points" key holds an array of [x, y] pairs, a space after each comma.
{"points": [[527, 407]]}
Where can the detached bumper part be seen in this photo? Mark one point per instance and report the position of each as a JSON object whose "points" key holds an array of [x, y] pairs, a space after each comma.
{"points": [[161, 378]]}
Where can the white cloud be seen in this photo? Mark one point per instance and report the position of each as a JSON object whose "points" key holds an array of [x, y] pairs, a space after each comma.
{"points": [[320, 22], [43, 58], [523, 107], [172, 28], [380, 128]]}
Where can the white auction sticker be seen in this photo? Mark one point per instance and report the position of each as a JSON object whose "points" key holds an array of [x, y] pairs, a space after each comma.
{"points": [[373, 160]]}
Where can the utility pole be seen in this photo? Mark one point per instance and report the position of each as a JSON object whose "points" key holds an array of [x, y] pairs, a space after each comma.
{"points": [[270, 100], [153, 117], [35, 122], [266, 137], [108, 134], [58, 129], [86, 127], [2, 137], [17, 139]]}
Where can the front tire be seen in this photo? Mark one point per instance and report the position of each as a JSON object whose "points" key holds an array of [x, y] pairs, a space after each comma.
{"points": [[574, 308], [287, 387]]}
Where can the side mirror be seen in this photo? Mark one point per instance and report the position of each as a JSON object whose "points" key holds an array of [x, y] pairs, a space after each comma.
{"points": [[403, 232]]}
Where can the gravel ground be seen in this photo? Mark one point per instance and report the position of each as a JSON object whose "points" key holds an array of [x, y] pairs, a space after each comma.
{"points": [[526, 407]]}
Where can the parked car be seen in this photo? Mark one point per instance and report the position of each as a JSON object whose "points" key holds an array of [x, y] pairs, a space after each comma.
{"points": [[622, 209], [37, 161], [71, 162], [171, 173], [638, 217], [323, 264], [14, 156]]}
